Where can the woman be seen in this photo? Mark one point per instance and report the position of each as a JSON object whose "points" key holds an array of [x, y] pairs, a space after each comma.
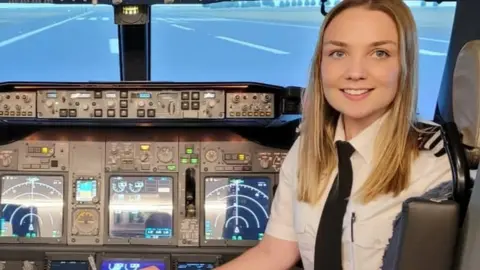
{"points": [[363, 90]]}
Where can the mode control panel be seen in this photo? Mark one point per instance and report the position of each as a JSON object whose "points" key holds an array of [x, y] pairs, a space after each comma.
{"points": [[77, 104], [168, 104], [17, 104], [250, 105]]}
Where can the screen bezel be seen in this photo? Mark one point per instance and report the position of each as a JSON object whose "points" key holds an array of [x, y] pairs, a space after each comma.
{"points": [[41, 240], [216, 260], [234, 243], [66, 256], [135, 241], [136, 257]]}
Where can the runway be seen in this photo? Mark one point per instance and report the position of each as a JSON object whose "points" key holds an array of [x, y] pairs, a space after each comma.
{"points": [[194, 44]]}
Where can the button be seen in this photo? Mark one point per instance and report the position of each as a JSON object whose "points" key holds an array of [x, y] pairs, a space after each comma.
{"points": [[111, 112], [195, 105], [123, 94], [98, 112], [195, 96], [98, 94], [123, 113], [54, 163], [63, 113], [185, 105], [123, 104], [151, 112], [185, 95], [141, 113]]}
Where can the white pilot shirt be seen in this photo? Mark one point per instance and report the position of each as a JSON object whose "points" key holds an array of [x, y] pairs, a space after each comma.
{"points": [[365, 239]]}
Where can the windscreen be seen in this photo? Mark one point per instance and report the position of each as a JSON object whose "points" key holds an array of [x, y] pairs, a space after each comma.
{"points": [[47, 42]]}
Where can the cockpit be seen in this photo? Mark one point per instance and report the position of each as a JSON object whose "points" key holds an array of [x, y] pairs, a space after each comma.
{"points": [[150, 134]]}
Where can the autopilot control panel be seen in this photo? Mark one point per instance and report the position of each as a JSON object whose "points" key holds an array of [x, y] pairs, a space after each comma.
{"points": [[132, 198], [145, 101]]}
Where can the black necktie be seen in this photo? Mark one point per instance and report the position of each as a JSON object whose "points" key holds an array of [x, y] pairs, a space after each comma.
{"points": [[328, 244]]}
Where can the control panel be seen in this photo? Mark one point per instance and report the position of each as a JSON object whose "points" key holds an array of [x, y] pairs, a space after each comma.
{"points": [[142, 101], [182, 189], [17, 104], [246, 105]]}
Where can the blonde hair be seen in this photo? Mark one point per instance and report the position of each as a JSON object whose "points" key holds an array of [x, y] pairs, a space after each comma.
{"points": [[397, 139]]}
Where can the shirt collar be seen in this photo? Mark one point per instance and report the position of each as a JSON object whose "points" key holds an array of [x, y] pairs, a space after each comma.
{"points": [[364, 142]]}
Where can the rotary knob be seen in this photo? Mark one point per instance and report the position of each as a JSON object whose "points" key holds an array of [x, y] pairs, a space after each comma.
{"points": [[211, 155], [264, 163], [49, 103]]}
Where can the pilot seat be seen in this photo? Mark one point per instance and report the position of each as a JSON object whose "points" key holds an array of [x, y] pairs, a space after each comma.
{"points": [[441, 230]]}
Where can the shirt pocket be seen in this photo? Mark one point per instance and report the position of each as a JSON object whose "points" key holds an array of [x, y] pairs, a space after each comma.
{"points": [[370, 240]]}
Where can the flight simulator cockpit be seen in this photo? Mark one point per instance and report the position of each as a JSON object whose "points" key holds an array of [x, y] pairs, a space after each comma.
{"points": [[144, 175]]}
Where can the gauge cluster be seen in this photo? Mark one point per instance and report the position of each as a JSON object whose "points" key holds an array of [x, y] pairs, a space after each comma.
{"points": [[164, 192]]}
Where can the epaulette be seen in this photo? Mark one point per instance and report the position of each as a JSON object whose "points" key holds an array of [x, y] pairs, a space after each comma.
{"points": [[430, 138]]}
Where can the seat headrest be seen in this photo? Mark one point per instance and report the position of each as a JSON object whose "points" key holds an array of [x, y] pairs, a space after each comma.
{"points": [[466, 93]]}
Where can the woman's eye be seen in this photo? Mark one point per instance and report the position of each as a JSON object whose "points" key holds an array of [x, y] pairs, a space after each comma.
{"points": [[337, 54], [381, 54]]}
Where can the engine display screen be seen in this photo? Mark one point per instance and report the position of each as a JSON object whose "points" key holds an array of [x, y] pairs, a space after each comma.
{"points": [[195, 266], [141, 207], [119, 264], [86, 190], [69, 265], [32, 206], [236, 208]]}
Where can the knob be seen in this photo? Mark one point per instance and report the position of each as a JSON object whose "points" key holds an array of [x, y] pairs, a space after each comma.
{"points": [[171, 108], [6, 107], [141, 103], [264, 163], [212, 103], [6, 161], [266, 98], [85, 107], [144, 157], [49, 103], [26, 98], [18, 107], [110, 103], [236, 98]]}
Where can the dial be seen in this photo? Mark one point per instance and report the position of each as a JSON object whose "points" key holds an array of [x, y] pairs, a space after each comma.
{"points": [[165, 154], [85, 222]]}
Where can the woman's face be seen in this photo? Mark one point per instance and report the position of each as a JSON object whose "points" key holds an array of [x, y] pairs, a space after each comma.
{"points": [[360, 63]]}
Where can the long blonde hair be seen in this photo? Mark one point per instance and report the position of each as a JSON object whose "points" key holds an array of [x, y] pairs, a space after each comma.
{"points": [[398, 136]]}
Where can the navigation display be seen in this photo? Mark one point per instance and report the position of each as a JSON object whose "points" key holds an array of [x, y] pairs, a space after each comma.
{"points": [[141, 207], [119, 264], [236, 208], [195, 266], [32, 206], [69, 265]]}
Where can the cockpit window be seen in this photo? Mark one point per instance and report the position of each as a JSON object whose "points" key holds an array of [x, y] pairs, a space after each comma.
{"points": [[47, 42]]}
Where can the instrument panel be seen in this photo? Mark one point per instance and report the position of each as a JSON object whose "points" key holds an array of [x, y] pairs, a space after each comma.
{"points": [[142, 198], [147, 101]]}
